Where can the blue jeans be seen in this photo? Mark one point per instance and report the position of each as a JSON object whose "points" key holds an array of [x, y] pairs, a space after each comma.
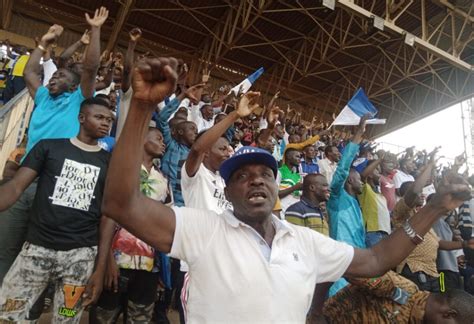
{"points": [[372, 238]]}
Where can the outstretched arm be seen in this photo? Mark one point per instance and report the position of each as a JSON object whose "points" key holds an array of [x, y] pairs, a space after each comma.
{"points": [[390, 252], [68, 52], [344, 165], [135, 35], [32, 70], [412, 193], [92, 56], [149, 220]]}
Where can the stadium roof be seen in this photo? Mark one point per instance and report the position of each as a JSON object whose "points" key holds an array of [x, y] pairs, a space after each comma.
{"points": [[412, 57]]}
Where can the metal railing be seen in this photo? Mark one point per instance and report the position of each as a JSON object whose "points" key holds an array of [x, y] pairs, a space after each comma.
{"points": [[14, 119]]}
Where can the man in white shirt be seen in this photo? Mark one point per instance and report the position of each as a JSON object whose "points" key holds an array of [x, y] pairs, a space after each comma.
{"points": [[247, 265], [328, 165], [202, 185], [404, 173], [202, 116]]}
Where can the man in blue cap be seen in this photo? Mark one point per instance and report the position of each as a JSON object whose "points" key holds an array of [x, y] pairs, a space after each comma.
{"points": [[246, 265]]}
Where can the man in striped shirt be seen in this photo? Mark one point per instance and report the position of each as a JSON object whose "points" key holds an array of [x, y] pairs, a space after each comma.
{"points": [[307, 212]]}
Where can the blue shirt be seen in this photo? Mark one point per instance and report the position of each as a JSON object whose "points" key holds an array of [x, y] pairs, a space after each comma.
{"points": [[176, 153], [54, 117], [107, 143], [311, 167], [345, 217]]}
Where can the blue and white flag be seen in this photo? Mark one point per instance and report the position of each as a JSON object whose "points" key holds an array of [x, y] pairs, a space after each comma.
{"points": [[356, 108], [247, 83]]}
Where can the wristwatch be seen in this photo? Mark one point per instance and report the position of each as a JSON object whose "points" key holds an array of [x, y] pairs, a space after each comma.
{"points": [[416, 238]]}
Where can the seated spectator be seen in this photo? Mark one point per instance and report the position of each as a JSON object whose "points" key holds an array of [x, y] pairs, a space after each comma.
{"points": [[393, 299]]}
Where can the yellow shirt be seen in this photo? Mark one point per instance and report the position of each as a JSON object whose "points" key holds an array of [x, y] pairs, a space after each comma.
{"points": [[19, 65]]}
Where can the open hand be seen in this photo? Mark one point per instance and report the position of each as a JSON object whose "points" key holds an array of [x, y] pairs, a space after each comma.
{"points": [[206, 75], [135, 34], [100, 16], [154, 79], [248, 103], [53, 33]]}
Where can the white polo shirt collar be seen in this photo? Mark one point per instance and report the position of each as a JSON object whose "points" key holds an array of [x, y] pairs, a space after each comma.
{"points": [[279, 224]]}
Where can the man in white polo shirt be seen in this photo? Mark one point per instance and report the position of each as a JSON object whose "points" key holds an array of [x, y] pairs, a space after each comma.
{"points": [[246, 265]]}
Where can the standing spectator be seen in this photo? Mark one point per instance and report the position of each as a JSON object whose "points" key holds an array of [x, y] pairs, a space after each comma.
{"points": [[15, 80], [246, 265], [374, 205], [307, 212], [290, 179], [202, 116], [328, 165], [55, 116], [309, 163], [404, 174], [387, 186], [63, 230], [125, 92], [201, 183], [178, 142], [132, 262], [447, 262], [345, 217]]}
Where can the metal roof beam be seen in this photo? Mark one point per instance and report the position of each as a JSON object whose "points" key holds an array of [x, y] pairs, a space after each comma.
{"points": [[351, 6], [120, 20]]}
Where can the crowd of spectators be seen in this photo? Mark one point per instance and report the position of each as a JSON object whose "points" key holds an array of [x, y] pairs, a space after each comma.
{"points": [[135, 192]]}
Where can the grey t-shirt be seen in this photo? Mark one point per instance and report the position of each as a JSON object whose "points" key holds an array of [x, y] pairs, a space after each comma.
{"points": [[447, 260]]}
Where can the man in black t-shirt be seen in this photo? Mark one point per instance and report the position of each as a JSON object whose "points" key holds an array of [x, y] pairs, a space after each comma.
{"points": [[63, 232]]}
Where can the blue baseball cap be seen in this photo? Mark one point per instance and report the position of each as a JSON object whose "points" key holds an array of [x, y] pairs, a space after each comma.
{"points": [[247, 155]]}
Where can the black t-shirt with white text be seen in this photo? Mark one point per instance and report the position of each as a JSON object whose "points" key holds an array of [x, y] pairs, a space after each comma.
{"points": [[66, 209]]}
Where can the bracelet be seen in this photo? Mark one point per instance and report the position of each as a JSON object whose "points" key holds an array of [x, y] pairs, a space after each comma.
{"points": [[41, 48], [416, 238]]}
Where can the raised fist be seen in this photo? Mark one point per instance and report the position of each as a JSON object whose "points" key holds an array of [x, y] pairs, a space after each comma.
{"points": [[53, 33], [154, 79], [135, 34]]}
